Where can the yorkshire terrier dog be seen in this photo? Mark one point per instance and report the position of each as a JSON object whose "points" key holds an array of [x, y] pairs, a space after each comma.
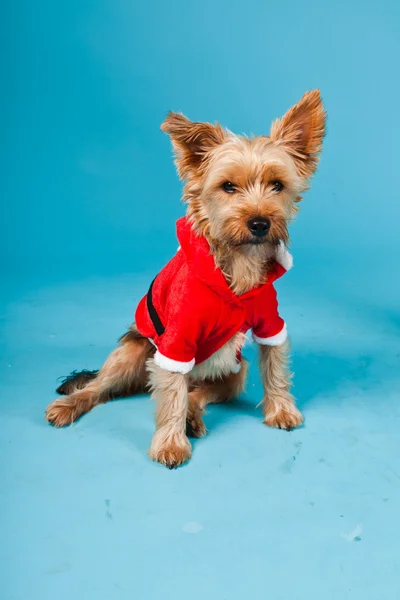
{"points": [[185, 346]]}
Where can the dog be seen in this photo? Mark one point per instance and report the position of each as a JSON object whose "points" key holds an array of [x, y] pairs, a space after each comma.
{"points": [[185, 346]]}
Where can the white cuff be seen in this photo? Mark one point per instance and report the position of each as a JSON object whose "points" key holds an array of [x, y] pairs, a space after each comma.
{"points": [[274, 340], [283, 256], [174, 366]]}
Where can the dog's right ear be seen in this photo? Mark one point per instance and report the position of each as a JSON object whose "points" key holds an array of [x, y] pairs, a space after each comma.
{"points": [[191, 141]]}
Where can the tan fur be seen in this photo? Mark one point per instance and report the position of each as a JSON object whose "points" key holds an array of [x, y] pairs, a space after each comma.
{"points": [[170, 445], [210, 392], [207, 156], [301, 131], [222, 362], [278, 403], [123, 374]]}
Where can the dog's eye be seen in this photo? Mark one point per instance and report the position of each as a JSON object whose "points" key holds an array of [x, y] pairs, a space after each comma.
{"points": [[229, 187], [277, 186]]}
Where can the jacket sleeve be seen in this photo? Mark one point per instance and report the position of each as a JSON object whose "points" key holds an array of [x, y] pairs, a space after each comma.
{"points": [[269, 328], [177, 346]]}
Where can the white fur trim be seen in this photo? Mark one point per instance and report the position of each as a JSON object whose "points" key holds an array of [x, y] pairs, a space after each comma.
{"points": [[174, 366], [237, 367], [283, 256], [178, 248], [274, 340]]}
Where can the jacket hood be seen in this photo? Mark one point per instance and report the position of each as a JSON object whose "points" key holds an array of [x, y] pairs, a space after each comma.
{"points": [[198, 255]]}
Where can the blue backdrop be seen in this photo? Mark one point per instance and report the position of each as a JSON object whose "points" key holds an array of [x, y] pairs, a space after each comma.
{"points": [[89, 199], [87, 85]]}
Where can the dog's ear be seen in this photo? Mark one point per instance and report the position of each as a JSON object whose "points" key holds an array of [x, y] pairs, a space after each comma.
{"points": [[191, 141], [301, 131]]}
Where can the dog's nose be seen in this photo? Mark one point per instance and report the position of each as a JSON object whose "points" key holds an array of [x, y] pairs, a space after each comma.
{"points": [[259, 226]]}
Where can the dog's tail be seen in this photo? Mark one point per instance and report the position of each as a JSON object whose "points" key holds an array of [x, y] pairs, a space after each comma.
{"points": [[75, 381]]}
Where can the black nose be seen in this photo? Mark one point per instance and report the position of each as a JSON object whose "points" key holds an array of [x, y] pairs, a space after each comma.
{"points": [[259, 226]]}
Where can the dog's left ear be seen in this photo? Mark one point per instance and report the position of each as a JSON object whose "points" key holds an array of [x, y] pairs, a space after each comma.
{"points": [[301, 131], [191, 141]]}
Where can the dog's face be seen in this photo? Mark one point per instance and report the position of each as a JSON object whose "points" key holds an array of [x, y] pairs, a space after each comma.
{"points": [[242, 192]]}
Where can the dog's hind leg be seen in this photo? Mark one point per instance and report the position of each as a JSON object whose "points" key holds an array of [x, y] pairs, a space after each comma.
{"points": [[123, 374], [212, 392]]}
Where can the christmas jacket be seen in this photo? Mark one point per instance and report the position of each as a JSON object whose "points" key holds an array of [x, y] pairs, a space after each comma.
{"points": [[190, 312]]}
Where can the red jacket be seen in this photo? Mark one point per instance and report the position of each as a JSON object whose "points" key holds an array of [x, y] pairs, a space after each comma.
{"points": [[190, 312]]}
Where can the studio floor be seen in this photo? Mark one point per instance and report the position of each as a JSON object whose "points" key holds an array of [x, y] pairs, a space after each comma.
{"points": [[257, 513]]}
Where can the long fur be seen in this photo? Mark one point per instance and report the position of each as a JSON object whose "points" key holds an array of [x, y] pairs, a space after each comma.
{"points": [[267, 176], [76, 381]]}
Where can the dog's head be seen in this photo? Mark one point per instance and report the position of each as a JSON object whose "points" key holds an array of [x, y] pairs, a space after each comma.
{"points": [[242, 192]]}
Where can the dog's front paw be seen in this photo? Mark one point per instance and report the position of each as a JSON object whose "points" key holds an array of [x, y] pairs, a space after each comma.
{"points": [[171, 451], [284, 418], [60, 413]]}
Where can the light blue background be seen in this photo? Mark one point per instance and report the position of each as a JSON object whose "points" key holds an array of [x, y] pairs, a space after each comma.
{"points": [[89, 200]]}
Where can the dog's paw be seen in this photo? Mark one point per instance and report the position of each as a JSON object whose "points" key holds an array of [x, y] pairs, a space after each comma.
{"points": [[195, 426], [284, 418], [60, 414], [172, 453]]}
